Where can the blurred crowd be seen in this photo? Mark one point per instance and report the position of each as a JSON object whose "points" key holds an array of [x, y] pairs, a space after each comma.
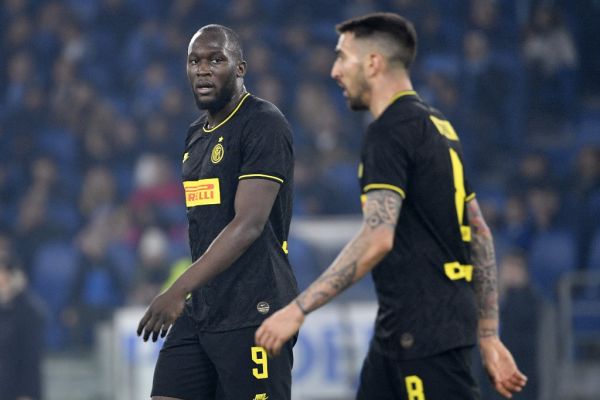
{"points": [[94, 107]]}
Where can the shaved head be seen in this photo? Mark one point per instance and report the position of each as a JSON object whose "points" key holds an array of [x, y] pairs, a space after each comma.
{"points": [[391, 34], [231, 39], [215, 67]]}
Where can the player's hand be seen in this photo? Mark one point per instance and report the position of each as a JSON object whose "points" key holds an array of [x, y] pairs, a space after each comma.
{"points": [[501, 367], [161, 314], [276, 330]]}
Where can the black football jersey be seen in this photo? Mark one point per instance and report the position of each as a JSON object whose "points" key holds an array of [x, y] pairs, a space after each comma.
{"points": [[424, 285], [254, 142]]}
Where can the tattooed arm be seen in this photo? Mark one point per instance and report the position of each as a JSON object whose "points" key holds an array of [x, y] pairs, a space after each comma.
{"points": [[484, 271], [497, 359], [371, 244]]}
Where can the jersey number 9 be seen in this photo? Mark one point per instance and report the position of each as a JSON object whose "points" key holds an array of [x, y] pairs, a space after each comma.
{"points": [[259, 356]]}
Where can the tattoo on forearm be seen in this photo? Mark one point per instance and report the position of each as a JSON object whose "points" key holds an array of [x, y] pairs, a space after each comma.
{"points": [[382, 208], [487, 332], [332, 282], [484, 263], [300, 306]]}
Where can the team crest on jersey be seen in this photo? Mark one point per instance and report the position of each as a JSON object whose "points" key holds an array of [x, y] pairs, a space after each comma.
{"points": [[261, 396], [217, 152]]}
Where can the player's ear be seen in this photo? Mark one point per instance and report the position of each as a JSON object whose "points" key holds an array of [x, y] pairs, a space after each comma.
{"points": [[240, 69], [374, 64]]}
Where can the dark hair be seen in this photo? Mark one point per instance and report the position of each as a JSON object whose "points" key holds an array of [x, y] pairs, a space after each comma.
{"points": [[390, 27], [232, 39]]}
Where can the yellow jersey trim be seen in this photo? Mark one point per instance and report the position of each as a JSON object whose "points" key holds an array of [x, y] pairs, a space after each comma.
{"points": [[470, 197], [402, 94], [284, 247], [229, 116], [261, 176], [374, 186], [444, 127]]}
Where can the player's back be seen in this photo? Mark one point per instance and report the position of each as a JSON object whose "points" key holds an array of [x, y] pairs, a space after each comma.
{"points": [[427, 304]]}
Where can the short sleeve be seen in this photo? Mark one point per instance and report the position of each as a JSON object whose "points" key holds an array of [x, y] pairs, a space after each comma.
{"points": [[387, 156], [469, 191], [267, 149]]}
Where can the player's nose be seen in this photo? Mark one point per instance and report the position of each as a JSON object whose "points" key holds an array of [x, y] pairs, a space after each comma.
{"points": [[335, 71]]}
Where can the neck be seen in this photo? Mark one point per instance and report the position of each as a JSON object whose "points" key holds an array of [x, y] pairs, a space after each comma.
{"points": [[384, 88], [215, 117]]}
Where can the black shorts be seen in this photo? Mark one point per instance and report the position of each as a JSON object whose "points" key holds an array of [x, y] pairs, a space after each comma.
{"points": [[445, 376], [194, 365]]}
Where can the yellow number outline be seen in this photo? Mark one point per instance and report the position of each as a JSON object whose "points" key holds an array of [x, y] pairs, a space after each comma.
{"points": [[454, 270], [259, 356], [414, 387]]}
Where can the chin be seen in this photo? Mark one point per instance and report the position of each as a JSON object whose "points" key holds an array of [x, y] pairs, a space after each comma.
{"points": [[212, 105], [204, 105], [357, 105]]}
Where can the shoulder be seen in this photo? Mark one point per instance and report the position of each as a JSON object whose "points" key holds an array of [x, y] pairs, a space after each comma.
{"points": [[399, 121], [194, 126], [260, 109], [198, 121], [265, 118]]}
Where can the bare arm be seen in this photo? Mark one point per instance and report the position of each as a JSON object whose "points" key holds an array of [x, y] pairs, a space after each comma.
{"points": [[253, 202], [497, 359], [374, 240], [485, 271]]}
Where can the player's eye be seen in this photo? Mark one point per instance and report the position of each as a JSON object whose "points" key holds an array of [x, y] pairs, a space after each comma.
{"points": [[217, 60], [193, 62]]}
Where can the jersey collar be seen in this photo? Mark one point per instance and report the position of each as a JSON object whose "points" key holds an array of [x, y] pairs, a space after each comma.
{"points": [[402, 94], [214, 128]]}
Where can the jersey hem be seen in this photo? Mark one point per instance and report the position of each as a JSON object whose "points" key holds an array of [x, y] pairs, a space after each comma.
{"points": [[388, 352]]}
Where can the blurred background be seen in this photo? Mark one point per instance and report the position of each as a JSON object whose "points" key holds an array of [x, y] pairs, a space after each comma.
{"points": [[94, 107]]}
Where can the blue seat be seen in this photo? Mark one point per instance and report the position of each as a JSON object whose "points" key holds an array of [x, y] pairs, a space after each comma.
{"points": [[552, 254]]}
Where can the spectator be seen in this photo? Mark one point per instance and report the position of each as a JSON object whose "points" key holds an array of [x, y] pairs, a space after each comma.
{"points": [[517, 227], [154, 268], [485, 83], [21, 334], [585, 192], [544, 205], [552, 61], [520, 319], [533, 169]]}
